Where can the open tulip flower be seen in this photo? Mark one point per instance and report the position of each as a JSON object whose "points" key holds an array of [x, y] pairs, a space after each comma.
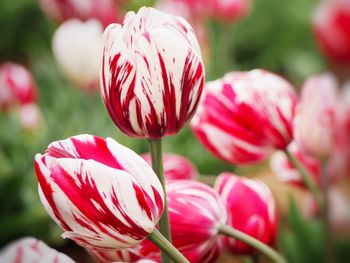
{"points": [[176, 167], [286, 172], [102, 194], [17, 86], [152, 73], [195, 211], [31, 250], [245, 115], [105, 11], [315, 120], [251, 209]]}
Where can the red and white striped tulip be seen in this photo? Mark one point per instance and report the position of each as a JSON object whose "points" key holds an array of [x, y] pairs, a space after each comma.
{"points": [[105, 11], [331, 24], [286, 171], [17, 86], [31, 250], [102, 194], [251, 209], [315, 120], [152, 73], [196, 211], [176, 167], [244, 115], [77, 47]]}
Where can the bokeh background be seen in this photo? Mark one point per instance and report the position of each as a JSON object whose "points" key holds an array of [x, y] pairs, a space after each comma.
{"points": [[274, 35]]}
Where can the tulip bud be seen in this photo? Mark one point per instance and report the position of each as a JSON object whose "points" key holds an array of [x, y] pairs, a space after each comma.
{"points": [[77, 47], [331, 25], [229, 10], [196, 211], [315, 120], [286, 171], [242, 116], [17, 86], [103, 10], [251, 209], [102, 194], [176, 167], [30, 117], [31, 250], [152, 73]]}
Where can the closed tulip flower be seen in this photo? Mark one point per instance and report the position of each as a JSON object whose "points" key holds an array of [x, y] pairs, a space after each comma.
{"points": [[152, 73], [176, 167], [103, 10], [229, 10], [17, 86], [102, 194], [245, 115], [195, 211], [251, 209], [77, 47], [315, 120], [331, 22], [286, 172], [31, 250]]}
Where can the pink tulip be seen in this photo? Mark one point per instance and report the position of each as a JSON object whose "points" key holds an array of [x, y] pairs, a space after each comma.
{"points": [[30, 117], [195, 212], [77, 47], [31, 250], [152, 73], [17, 86], [251, 209], [286, 171], [176, 167], [244, 115], [102, 194], [229, 10], [105, 11], [316, 116], [331, 23]]}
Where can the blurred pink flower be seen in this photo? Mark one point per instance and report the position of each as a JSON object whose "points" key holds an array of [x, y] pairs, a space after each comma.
{"points": [[17, 86], [244, 115], [106, 11], [176, 167], [287, 173], [315, 119], [31, 250], [331, 23], [30, 117], [251, 209]]}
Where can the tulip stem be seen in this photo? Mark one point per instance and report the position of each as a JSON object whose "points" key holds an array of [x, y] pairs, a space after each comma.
{"points": [[160, 241], [307, 178], [155, 146], [257, 244]]}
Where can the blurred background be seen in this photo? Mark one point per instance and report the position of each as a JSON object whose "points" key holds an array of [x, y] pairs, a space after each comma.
{"points": [[275, 35]]}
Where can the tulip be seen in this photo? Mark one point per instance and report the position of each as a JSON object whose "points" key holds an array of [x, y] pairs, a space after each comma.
{"points": [[331, 22], [30, 117], [77, 47], [315, 117], [286, 172], [251, 209], [176, 167], [17, 86], [102, 194], [152, 73], [61, 10], [229, 10], [244, 115], [31, 250], [195, 211]]}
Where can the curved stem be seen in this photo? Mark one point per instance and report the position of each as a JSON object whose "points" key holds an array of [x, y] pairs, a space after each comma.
{"points": [[155, 146], [258, 245], [307, 178], [160, 241]]}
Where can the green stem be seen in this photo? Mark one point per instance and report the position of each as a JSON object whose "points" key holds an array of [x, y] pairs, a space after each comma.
{"points": [[160, 241], [155, 146], [307, 178], [258, 245], [325, 216]]}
